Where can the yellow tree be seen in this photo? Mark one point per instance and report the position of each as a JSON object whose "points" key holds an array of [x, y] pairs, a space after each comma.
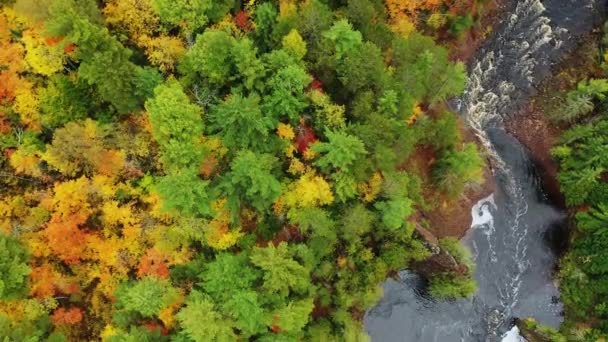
{"points": [[26, 104], [137, 17], [310, 190], [43, 58]]}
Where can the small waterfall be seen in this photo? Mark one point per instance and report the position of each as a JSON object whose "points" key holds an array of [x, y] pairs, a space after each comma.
{"points": [[506, 73]]}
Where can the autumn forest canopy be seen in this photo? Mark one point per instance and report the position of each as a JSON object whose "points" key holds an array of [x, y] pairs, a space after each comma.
{"points": [[200, 170]]}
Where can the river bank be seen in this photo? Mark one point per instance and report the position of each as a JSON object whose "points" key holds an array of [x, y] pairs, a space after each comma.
{"points": [[532, 127], [452, 217]]}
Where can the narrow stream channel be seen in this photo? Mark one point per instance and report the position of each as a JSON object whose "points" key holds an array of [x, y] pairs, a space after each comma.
{"points": [[511, 229]]}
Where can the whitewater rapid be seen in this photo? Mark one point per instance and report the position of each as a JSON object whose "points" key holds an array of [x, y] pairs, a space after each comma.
{"points": [[513, 336]]}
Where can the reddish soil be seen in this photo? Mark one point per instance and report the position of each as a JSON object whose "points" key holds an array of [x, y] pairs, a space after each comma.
{"points": [[447, 216], [539, 135], [453, 218]]}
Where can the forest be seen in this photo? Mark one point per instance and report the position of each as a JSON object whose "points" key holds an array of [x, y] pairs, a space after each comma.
{"points": [[226, 170]]}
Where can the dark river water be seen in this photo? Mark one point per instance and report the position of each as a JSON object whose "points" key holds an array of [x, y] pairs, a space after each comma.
{"points": [[512, 229]]}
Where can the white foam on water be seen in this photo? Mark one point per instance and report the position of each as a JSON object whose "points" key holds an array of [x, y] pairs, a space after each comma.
{"points": [[482, 216], [513, 336]]}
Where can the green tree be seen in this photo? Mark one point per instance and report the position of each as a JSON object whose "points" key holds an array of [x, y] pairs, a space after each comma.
{"points": [[220, 8], [315, 19], [294, 45], [340, 152], [394, 212], [293, 317], [13, 268], [369, 18], [210, 57], [426, 70], [451, 286], [245, 309], [66, 99], [265, 16], [177, 126], [230, 280], [189, 15], [240, 122], [318, 224], [185, 193], [345, 39], [228, 274], [455, 169], [147, 296], [356, 221], [137, 334], [362, 68], [282, 273], [201, 322], [286, 93], [583, 158], [104, 61], [249, 68], [251, 178]]}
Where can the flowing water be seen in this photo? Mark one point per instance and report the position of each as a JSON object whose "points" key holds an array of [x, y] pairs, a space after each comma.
{"points": [[512, 228]]}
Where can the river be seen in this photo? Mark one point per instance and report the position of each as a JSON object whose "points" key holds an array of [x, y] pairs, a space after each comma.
{"points": [[512, 229]]}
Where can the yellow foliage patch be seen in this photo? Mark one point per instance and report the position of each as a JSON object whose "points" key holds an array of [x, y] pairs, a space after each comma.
{"points": [[26, 104], [218, 233], [308, 191], [285, 131], [135, 16], [309, 154], [71, 197], [26, 162], [403, 25], [296, 167], [42, 58], [370, 190], [164, 51], [416, 113]]}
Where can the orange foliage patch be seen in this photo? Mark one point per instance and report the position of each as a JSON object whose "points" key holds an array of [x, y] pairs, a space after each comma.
{"points": [[69, 48], [42, 284], [153, 264], [5, 125], [8, 86], [65, 238], [46, 282], [153, 327], [208, 166], [63, 317], [8, 153], [110, 163], [52, 41]]}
